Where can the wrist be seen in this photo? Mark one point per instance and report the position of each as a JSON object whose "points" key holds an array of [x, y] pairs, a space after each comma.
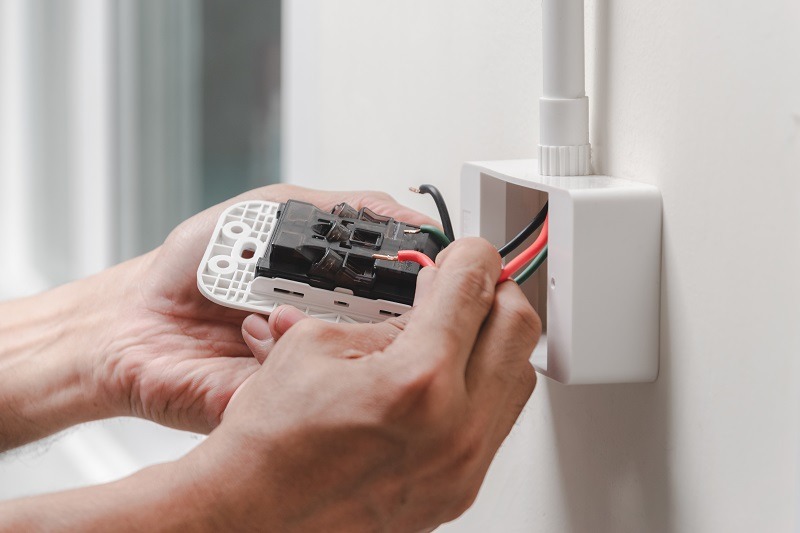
{"points": [[49, 345]]}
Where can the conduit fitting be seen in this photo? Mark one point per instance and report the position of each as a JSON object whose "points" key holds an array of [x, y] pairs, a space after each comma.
{"points": [[564, 148]]}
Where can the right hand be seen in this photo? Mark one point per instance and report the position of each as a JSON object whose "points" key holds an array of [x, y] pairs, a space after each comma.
{"points": [[388, 426]]}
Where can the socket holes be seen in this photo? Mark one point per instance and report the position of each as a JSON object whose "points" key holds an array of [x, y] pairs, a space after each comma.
{"points": [[288, 292], [341, 303], [384, 312], [366, 238]]}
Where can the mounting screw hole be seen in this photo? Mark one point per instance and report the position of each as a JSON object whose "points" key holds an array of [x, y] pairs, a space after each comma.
{"points": [[248, 252], [236, 229], [223, 263]]}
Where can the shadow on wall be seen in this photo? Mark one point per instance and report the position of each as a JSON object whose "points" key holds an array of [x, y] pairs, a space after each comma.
{"points": [[613, 452], [613, 441]]}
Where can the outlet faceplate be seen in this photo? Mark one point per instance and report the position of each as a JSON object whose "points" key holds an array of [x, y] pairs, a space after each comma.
{"points": [[599, 291]]}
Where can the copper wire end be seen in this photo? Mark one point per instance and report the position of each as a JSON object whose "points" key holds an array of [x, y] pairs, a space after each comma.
{"points": [[415, 190], [385, 257], [411, 230]]}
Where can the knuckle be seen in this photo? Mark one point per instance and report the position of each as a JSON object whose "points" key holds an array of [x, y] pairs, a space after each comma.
{"points": [[464, 500], [477, 287], [527, 378], [396, 324], [468, 455], [311, 329], [381, 195], [411, 391], [475, 246], [368, 198], [521, 316], [468, 498]]}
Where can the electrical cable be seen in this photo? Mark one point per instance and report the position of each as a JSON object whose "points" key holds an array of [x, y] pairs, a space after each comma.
{"points": [[526, 232], [532, 267], [444, 214], [512, 267], [526, 255], [437, 234]]}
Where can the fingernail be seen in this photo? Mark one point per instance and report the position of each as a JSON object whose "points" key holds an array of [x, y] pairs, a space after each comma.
{"points": [[257, 327], [284, 318]]}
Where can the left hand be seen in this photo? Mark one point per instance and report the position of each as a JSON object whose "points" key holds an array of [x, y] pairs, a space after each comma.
{"points": [[175, 357]]}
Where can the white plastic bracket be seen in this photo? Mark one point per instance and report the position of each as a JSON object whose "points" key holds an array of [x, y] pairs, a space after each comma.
{"points": [[599, 291]]}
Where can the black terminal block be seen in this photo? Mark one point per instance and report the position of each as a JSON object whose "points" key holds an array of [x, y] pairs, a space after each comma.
{"points": [[335, 251]]}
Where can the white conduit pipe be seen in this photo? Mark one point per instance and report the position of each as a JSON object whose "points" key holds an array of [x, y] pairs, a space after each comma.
{"points": [[564, 148]]}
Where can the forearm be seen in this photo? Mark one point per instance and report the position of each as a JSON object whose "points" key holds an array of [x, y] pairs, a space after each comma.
{"points": [[46, 375], [160, 498]]}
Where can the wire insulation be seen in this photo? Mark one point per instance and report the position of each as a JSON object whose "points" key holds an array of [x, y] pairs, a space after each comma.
{"points": [[526, 232], [444, 214], [526, 255], [437, 234], [417, 257], [532, 267]]}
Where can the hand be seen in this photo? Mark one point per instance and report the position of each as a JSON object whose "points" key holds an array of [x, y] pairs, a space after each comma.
{"points": [[179, 358], [389, 426]]}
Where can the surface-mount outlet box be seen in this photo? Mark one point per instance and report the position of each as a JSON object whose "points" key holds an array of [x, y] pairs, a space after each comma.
{"points": [[598, 293]]}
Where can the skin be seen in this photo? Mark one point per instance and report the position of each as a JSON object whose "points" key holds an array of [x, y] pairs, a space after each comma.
{"points": [[316, 426]]}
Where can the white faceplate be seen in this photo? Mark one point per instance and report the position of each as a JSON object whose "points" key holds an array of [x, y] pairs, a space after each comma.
{"points": [[227, 273]]}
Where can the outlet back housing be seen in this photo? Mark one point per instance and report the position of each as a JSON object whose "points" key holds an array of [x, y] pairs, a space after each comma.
{"points": [[598, 293]]}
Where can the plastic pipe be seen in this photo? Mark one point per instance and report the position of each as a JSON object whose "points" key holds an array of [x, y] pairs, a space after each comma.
{"points": [[564, 148]]}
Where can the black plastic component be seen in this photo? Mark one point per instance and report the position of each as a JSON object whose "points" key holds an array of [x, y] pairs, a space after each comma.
{"points": [[330, 250]]}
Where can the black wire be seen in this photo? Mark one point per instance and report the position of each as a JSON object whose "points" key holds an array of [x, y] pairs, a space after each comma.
{"points": [[442, 207], [526, 232]]}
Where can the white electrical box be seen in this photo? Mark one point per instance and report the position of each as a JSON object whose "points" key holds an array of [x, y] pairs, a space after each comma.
{"points": [[598, 293]]}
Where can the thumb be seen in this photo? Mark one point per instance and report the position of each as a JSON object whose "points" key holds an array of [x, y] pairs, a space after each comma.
{"points": [[261, 334], [283, 318]]}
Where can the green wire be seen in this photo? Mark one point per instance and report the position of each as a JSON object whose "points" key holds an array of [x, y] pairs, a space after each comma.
{"points": [[437, 234], [532, 267]]}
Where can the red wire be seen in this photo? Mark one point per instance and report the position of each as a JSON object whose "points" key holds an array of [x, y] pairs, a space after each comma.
{"points": [[511, 267], [527, 255], [417, 257]]}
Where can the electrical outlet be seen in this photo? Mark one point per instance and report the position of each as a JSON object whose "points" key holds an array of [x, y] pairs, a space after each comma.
{"points": [[265, 254]]}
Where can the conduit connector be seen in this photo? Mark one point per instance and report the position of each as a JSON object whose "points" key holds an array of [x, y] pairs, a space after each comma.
{"points": [[564, 148]]}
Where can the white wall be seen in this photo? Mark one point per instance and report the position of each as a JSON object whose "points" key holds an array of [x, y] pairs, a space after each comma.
{"points": [[701, 99]]}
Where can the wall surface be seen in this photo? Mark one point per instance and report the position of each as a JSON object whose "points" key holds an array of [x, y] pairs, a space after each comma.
{"points": [[701, 99]]}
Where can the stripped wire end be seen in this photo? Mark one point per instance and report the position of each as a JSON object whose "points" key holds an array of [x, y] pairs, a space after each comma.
{"points": [[415, 190], [412, 230], [407, 255]]}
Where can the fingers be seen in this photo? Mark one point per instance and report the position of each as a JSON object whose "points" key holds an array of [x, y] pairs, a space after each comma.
{"points": [[318, 337], [380, 202], [448, 316], [256, 334], [425, 281], [261, 334], [346, 341], [283, 318], [500, 378]]}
